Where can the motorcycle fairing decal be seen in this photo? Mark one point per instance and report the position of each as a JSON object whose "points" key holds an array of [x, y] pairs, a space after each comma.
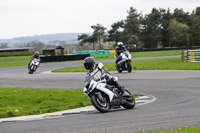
{"points": [[105, 90]]}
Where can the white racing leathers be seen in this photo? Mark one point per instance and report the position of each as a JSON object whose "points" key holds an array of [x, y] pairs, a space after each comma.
{"points": [[99, 71]]}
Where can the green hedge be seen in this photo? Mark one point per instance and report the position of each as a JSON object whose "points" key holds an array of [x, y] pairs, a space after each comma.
{"points": [[7, 54]]}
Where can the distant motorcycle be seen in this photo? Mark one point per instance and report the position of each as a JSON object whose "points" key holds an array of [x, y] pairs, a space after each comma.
{"points": [[104, 96], [125, 63], [33, 65]]}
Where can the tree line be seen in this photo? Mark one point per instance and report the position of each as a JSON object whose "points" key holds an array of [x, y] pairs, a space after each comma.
{"points": [[158, 29]]}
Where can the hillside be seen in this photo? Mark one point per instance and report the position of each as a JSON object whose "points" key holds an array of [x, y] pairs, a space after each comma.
{"points": [[54, 39]]}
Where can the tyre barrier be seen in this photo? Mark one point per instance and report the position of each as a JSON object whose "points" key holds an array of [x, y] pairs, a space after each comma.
{"points": [[59, 58], [191, 55]]}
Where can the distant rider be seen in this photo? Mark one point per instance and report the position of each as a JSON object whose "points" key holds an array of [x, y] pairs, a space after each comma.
{"points": [[119, 49], [36, 55], [98, 71]]}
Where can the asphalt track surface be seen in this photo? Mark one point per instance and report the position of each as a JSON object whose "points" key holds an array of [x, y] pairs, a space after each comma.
{"points": [[177, 104]]}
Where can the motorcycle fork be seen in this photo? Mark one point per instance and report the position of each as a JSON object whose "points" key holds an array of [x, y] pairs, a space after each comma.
{"points": [[126, 64], [99, 96]]}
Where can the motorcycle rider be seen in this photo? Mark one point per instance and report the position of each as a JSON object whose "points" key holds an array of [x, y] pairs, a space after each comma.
{"points": [[119, 49], [98, 71], [35, 55]]}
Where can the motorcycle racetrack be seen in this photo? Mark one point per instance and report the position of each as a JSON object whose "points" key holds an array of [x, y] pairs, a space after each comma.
{"points": [[177, 104]]}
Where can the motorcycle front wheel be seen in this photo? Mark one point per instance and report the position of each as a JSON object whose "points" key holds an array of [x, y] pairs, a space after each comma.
{"points": [[30, 72], [129, 67], [102, 105], [130, 101], [118, 69]]}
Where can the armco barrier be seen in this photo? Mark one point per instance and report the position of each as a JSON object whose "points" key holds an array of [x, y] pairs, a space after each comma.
{"points": [[59, 58], [191, 55]]}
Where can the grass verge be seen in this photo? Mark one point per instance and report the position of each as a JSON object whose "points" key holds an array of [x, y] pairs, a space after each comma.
{"points": [[140, 54], [150, 64], [14, 61], [165, 64], [24, 60], [18, 101], [180, 130]]}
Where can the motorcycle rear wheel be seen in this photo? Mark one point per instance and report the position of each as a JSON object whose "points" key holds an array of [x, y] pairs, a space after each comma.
{"points": [[101, 106], [130, 101]]}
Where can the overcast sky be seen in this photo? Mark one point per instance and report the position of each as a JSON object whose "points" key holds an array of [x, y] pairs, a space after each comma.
{"points": [[36, 17]]}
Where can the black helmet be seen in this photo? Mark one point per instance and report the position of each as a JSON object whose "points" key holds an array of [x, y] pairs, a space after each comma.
{"points": [[88, 63]]}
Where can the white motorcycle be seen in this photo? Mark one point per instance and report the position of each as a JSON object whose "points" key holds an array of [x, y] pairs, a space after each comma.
{"points": [[33, 65], [125, 63], [104, 96]]}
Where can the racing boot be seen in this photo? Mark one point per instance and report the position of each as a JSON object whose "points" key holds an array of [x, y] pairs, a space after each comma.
{"points": [[115, 82], [122, 90]]}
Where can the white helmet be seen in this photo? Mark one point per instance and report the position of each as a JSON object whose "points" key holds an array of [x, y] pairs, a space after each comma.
{"points": [[37, 53], [119, 44]]}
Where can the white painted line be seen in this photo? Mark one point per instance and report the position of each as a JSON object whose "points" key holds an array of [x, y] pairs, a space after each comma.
{"points": [[146, 102], [46, 72], [143, 97]]}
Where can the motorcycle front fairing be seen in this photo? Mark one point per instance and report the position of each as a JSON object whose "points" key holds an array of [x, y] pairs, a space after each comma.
{"points": [[92, 86], [126, 57], [34, 62]]}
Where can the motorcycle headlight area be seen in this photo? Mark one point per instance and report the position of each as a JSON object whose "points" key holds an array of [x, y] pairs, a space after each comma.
{"points": [[88, 87]]}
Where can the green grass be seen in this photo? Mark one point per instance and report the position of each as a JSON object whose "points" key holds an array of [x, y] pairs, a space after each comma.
{"points": [[180, 130], [14, 61], [156, 53], [165, 64], [71, 69], [17, 61], [18, 101], [24, 60], [150, 64], [140, 54]]}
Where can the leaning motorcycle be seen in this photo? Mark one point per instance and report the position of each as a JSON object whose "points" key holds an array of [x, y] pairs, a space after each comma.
{"points": [[33, 65], [125, 63], [104, 97]]}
